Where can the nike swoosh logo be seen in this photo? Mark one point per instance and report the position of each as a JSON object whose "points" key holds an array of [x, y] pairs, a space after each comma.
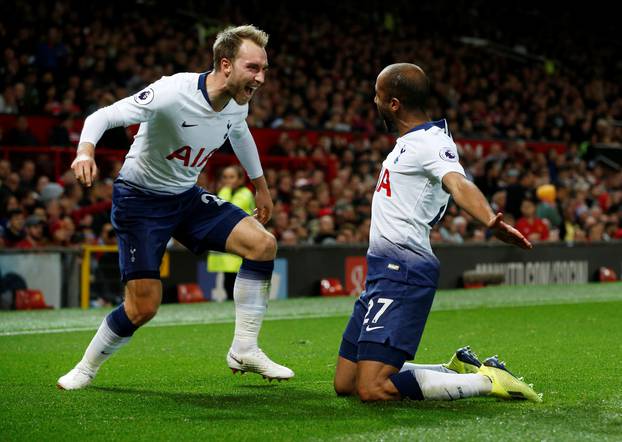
{"points": [[104, 353], [374, 328], [236, 359], [184, 124]]}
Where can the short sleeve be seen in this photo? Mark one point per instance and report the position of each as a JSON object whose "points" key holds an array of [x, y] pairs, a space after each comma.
{"points": [[435, 161]]}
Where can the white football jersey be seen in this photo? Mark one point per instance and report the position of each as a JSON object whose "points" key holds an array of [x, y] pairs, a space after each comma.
{"points": [[179, 131], [409, 197]]}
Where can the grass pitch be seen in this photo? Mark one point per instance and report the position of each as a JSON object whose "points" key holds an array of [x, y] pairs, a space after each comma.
{"points": [[172, 382]]}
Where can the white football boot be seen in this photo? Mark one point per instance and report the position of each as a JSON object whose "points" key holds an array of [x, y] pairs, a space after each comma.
{"points": [[257, 362], [78, 378]]}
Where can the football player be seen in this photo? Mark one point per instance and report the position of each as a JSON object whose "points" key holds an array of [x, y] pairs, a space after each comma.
{"points": [[417, 179], [183, 120]]}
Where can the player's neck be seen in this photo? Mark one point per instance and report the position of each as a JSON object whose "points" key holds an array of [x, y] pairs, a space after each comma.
{"points": [[407, 122], [217, 91]]}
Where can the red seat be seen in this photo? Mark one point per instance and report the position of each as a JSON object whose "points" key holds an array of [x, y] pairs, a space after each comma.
{"points": [[30, 299], [331, 287], [187, 293]]}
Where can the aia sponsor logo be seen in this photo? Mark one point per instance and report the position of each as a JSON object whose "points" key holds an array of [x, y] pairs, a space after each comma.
{"points": [[384, 183], [185, 154]]}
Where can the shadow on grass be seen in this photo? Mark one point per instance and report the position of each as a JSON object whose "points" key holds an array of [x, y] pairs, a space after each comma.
{"points": [[291, 403]]}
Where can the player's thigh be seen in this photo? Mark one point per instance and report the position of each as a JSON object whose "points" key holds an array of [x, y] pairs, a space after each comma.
{"points": [[250, 239], [143, 224], [394, 322], [345, 373], [207, 222]]}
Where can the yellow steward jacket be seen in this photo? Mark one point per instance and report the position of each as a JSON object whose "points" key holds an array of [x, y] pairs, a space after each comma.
{"points": [[225, 262]]}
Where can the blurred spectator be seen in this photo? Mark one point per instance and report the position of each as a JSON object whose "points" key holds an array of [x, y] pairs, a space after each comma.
{"points": [[547, 208], [27, 176], [20, 135], [232, 189], [34, 228], [289, 238], [8, 102], [453, 230], [326, 231], [532, 227], [14, 229], [65, 133]]}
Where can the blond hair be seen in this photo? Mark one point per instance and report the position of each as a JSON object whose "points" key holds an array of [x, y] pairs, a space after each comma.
{"points": [[229, 40]]}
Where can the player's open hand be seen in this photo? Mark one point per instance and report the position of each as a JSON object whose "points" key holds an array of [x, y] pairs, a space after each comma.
{"points": [[264, 205], [507, 233], [84, 166]]}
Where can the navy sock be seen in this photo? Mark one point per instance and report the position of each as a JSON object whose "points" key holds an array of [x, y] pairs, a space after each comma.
{"points": [[407, 385], [258, 270], [119, 323]]}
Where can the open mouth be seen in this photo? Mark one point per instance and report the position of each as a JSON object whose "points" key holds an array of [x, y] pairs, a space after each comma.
{"points": [[250, 90]]}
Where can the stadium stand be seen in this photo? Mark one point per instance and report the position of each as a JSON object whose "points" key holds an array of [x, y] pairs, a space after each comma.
{"points": [[526, 111]]}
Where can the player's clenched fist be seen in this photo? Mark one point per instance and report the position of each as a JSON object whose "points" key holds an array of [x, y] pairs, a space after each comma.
{"points": [[83, 165]]}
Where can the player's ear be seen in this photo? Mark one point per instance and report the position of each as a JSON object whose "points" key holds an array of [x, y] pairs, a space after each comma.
{"points": [[226, 66], [395, 104]]}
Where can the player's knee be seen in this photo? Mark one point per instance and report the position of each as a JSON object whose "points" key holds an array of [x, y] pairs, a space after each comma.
{"points": [[142, 300], [144, 314], [344, 388], [265, 248]]}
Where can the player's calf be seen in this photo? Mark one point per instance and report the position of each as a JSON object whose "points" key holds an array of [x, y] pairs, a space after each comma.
{"points": [[142, 299], [373, 381]]}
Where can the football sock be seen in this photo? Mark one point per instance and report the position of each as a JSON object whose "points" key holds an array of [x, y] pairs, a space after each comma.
{"points": [[115, 331], [433, 385], [251, 292], [407, 384], [434, 367], [448, 387]]}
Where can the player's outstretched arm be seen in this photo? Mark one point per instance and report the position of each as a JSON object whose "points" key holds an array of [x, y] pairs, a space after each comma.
{"points": [[471, 199], [83, 165]]}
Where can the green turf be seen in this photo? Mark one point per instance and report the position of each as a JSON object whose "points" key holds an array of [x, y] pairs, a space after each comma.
{"points": [[171, 382]]}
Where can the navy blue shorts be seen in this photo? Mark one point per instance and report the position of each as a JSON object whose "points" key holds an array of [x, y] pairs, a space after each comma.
{"points": [[145, 222], [390, 315]]}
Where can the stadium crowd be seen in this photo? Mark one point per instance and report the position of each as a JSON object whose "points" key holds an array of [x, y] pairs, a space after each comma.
{"points": [[322, 78]]}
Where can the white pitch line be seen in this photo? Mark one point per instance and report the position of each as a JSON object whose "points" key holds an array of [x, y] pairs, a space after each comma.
{"points": [[167, 324], [292, 316]]}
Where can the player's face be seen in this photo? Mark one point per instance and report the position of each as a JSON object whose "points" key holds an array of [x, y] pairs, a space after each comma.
{"points": [[248, 72], [384, 109], [230, 178]]}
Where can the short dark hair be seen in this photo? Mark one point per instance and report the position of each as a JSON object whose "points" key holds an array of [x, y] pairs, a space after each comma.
{"points": [[410, 86], [229, 40]]}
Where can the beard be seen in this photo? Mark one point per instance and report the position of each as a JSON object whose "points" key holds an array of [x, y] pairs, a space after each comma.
{"points": [[238, 91], [388, 119]]}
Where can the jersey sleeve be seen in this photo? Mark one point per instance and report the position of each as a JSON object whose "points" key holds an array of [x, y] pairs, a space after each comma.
{"points": [[435, 160], [138, 108], [245, 148]]}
